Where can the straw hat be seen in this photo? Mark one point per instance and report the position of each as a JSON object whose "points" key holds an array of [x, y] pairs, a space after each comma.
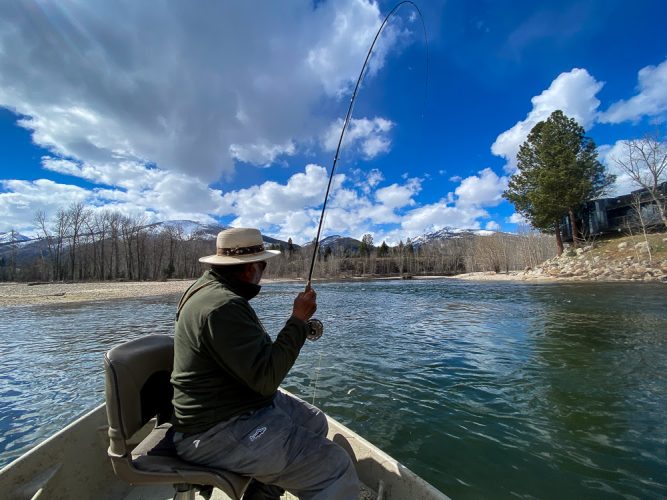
{"points": [[238, 245]]}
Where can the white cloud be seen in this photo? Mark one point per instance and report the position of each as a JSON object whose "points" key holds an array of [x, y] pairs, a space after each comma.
{"points": [[517, 218], [483, 190], [25, 198], [366, 136], [572, 92], [651, 99], [261, 154], [283, 210], [173, 196], [366, 181], [374, 177], [440, 215], [188, 90], [125, 174], [275, 205], [398, 196], [492, 226], [292, 210]]}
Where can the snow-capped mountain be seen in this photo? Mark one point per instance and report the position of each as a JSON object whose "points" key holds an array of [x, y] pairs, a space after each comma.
{"points": [[191, 229], [449, 233], [336, 242], [8, 237]]}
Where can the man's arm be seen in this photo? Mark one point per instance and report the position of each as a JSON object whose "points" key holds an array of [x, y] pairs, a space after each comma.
{"points": [[241, 346]]}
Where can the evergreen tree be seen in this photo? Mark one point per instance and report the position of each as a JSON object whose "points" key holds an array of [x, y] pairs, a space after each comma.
{"points": [[384, 250], [558, 171], [366, 246]]}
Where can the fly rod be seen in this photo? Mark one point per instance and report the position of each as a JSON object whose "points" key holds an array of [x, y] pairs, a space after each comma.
{"points": [[316, 326], [348, 116]]}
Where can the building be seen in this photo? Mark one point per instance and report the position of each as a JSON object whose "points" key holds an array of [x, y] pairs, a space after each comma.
{"points": [[616, 215]]}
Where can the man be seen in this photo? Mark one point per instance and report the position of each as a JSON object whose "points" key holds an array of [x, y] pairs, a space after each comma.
{"points": [[228, 411]]}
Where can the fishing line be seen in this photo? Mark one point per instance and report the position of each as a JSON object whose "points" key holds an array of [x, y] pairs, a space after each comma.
{"points": [[348, 117], [315, 325]]}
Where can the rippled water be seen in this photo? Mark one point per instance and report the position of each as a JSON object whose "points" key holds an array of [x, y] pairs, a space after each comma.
{"points": [[487, 390]]}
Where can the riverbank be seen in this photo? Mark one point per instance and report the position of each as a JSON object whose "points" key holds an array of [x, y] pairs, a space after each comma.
{"points": [[625, 258], [63, 293], [14, 294]]}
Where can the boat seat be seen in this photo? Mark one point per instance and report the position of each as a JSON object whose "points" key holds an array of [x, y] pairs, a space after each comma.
{"points": [[138, 389]]}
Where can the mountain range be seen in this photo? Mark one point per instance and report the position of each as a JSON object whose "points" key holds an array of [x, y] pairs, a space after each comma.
{"points": [[191, 230]]}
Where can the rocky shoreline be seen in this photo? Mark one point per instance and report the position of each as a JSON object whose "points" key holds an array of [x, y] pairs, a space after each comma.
{"points": [[585, 265], [631, 258]]}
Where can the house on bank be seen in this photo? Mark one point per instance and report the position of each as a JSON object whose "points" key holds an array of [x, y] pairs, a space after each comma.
{"points": [[622, 214]]}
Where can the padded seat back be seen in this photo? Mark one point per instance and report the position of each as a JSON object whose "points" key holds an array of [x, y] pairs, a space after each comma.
{"points": [[138, 388]]}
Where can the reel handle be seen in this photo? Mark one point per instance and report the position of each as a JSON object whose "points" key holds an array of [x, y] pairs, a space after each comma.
{"points": [[316, 329]]}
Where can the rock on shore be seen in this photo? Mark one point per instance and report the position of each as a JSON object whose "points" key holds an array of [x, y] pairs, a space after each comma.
{"points": [[625, 259]]}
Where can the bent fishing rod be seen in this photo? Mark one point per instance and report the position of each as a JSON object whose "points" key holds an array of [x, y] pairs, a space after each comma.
{"points": [[316, 326]]}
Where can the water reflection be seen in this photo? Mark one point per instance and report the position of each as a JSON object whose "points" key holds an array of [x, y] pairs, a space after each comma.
{"points": [[486, 390]]}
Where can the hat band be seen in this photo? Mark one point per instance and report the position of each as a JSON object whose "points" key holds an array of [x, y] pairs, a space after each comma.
{"points": [[230, 252]]}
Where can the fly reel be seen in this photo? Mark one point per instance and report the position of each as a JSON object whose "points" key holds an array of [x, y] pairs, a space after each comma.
{"points": [[316, 329]]}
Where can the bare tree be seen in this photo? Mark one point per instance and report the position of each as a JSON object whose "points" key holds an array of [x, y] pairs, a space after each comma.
{"points": [[77, 215], [640, 221], [645, 162]]}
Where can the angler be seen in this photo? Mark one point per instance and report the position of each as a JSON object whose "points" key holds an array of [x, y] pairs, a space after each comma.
{"points": [[228, 412]]}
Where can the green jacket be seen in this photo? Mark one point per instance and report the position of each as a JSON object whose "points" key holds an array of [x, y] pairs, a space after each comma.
{"points": [[224, 361]]}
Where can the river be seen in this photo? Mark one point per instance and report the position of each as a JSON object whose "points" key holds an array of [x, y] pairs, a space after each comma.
{"points": [[486, 390]]}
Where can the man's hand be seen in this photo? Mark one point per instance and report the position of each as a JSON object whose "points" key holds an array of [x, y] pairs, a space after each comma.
{"points": [[305, 304]]}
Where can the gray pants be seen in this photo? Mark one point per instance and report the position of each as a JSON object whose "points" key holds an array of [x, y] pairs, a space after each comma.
{"points": [[283, 444]]}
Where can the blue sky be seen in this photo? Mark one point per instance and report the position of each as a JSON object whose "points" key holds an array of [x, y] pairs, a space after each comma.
{"points": [[229, 112]]}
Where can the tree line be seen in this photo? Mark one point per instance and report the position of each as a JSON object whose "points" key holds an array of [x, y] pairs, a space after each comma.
{"points": [[500, 252], [80, 244]]}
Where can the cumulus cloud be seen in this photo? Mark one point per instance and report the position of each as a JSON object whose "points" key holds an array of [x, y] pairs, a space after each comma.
{"points": [[573, 92], [283, 210], [517, 218], [266, 203], [651, 98], [464, 208], [262, 154], [187, 90], [398, 196], [485, 189], [370, 137], [173, 196], [24, 199], [492, 226], [292, 210], [439, 215]]}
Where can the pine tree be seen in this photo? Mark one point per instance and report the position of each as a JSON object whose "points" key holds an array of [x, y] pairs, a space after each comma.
{"points": [[558, 171]]}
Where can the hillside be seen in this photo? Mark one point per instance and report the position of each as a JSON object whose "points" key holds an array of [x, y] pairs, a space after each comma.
{"points": [[628, 258]]}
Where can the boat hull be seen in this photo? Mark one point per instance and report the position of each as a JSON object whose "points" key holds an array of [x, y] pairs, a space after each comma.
{"points": [[73, 463]]}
